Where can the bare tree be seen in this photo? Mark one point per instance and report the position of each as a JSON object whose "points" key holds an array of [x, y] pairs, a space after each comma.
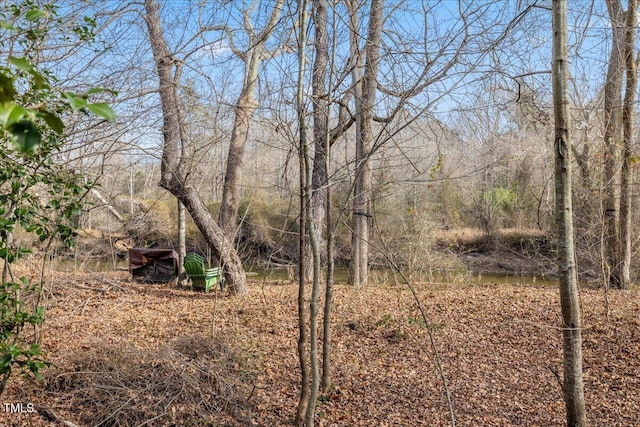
{"points": [[305, 405], [628, 112], [172, 178], [365, 98], [246, 105], [618, 134], [321, 191], [320, 120], [384, 105], [612, 137], [569, 297]]}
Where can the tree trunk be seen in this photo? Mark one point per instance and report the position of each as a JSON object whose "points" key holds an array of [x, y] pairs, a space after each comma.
{"points": [[356, 77], [245, 107], [320, 164], [232, 190], [612, 136], [328, 299], [182, 240], [171, 177], [321, 196], [107, 205], [628, 111], [364, 137], [304, 403], [569, 296], [320, 124], [315, 289]]}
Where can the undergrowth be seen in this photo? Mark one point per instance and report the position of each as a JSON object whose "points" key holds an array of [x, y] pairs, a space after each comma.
{"points": [[193, 379]]}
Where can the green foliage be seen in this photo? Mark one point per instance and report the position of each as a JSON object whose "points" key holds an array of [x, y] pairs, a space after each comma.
{"points": [[386, 320], [15, 352], [419, 321], [28, 102], [437, 168], [37, 194], [501, 198]]}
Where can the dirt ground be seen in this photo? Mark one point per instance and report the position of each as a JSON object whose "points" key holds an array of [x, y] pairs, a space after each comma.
{"points": [[500, 347]]}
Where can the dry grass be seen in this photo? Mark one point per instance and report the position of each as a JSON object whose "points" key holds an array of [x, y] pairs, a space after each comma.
{"points": [[475, 239], [191, 378]]}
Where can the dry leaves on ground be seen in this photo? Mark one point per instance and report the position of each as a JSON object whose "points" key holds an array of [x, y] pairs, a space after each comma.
{"points": [[121, 347]]}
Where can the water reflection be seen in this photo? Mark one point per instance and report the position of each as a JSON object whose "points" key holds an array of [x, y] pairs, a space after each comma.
{"points": [[378, 275], [385, 275]]}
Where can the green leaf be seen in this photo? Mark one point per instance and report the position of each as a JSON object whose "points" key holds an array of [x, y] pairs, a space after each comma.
{"points": [[7, 91], [14, 351], [24, 65], [6, 25], [21, 63], [5, 363], [103, 110], [95, 90], [53, 121], [10, 113], [77, 102], [35, 14], [26, 136]]}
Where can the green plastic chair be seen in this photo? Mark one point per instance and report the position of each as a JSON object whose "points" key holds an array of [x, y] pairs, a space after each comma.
{"points": [[200, 276]]}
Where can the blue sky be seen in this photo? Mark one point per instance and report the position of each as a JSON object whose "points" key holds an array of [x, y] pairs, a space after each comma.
{"points": [[425, 28]]}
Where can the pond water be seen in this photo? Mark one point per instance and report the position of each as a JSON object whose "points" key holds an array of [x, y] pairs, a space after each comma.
{"points": [[381, 275], [277, 273]]}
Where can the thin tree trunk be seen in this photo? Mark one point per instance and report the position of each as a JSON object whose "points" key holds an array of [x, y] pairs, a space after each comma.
{"points": [[322, 49], [628, 111], [320, 192], [356, 77], [320, 124], [182, 240], [569, 296], [315, 290], [612, 136], [305, 369], [107, 205], [328, 299], [171, 177], [365, 102]]}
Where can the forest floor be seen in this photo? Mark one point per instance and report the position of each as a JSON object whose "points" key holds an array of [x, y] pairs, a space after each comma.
{"points": [[126, 353]]}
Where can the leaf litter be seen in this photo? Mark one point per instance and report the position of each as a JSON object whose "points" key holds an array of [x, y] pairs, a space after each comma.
{"points": [[126, 353]]}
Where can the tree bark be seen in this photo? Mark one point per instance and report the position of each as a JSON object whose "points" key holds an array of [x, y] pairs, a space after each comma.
{"points": [[327, 380], [182, 240], [612, 136], [319, 181], [628, 111], [171, 177], [304, 403], [315, 289], [569, 296], [320, 124], [364, 135], [245, 107], [356, 77], [232, 190]]}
